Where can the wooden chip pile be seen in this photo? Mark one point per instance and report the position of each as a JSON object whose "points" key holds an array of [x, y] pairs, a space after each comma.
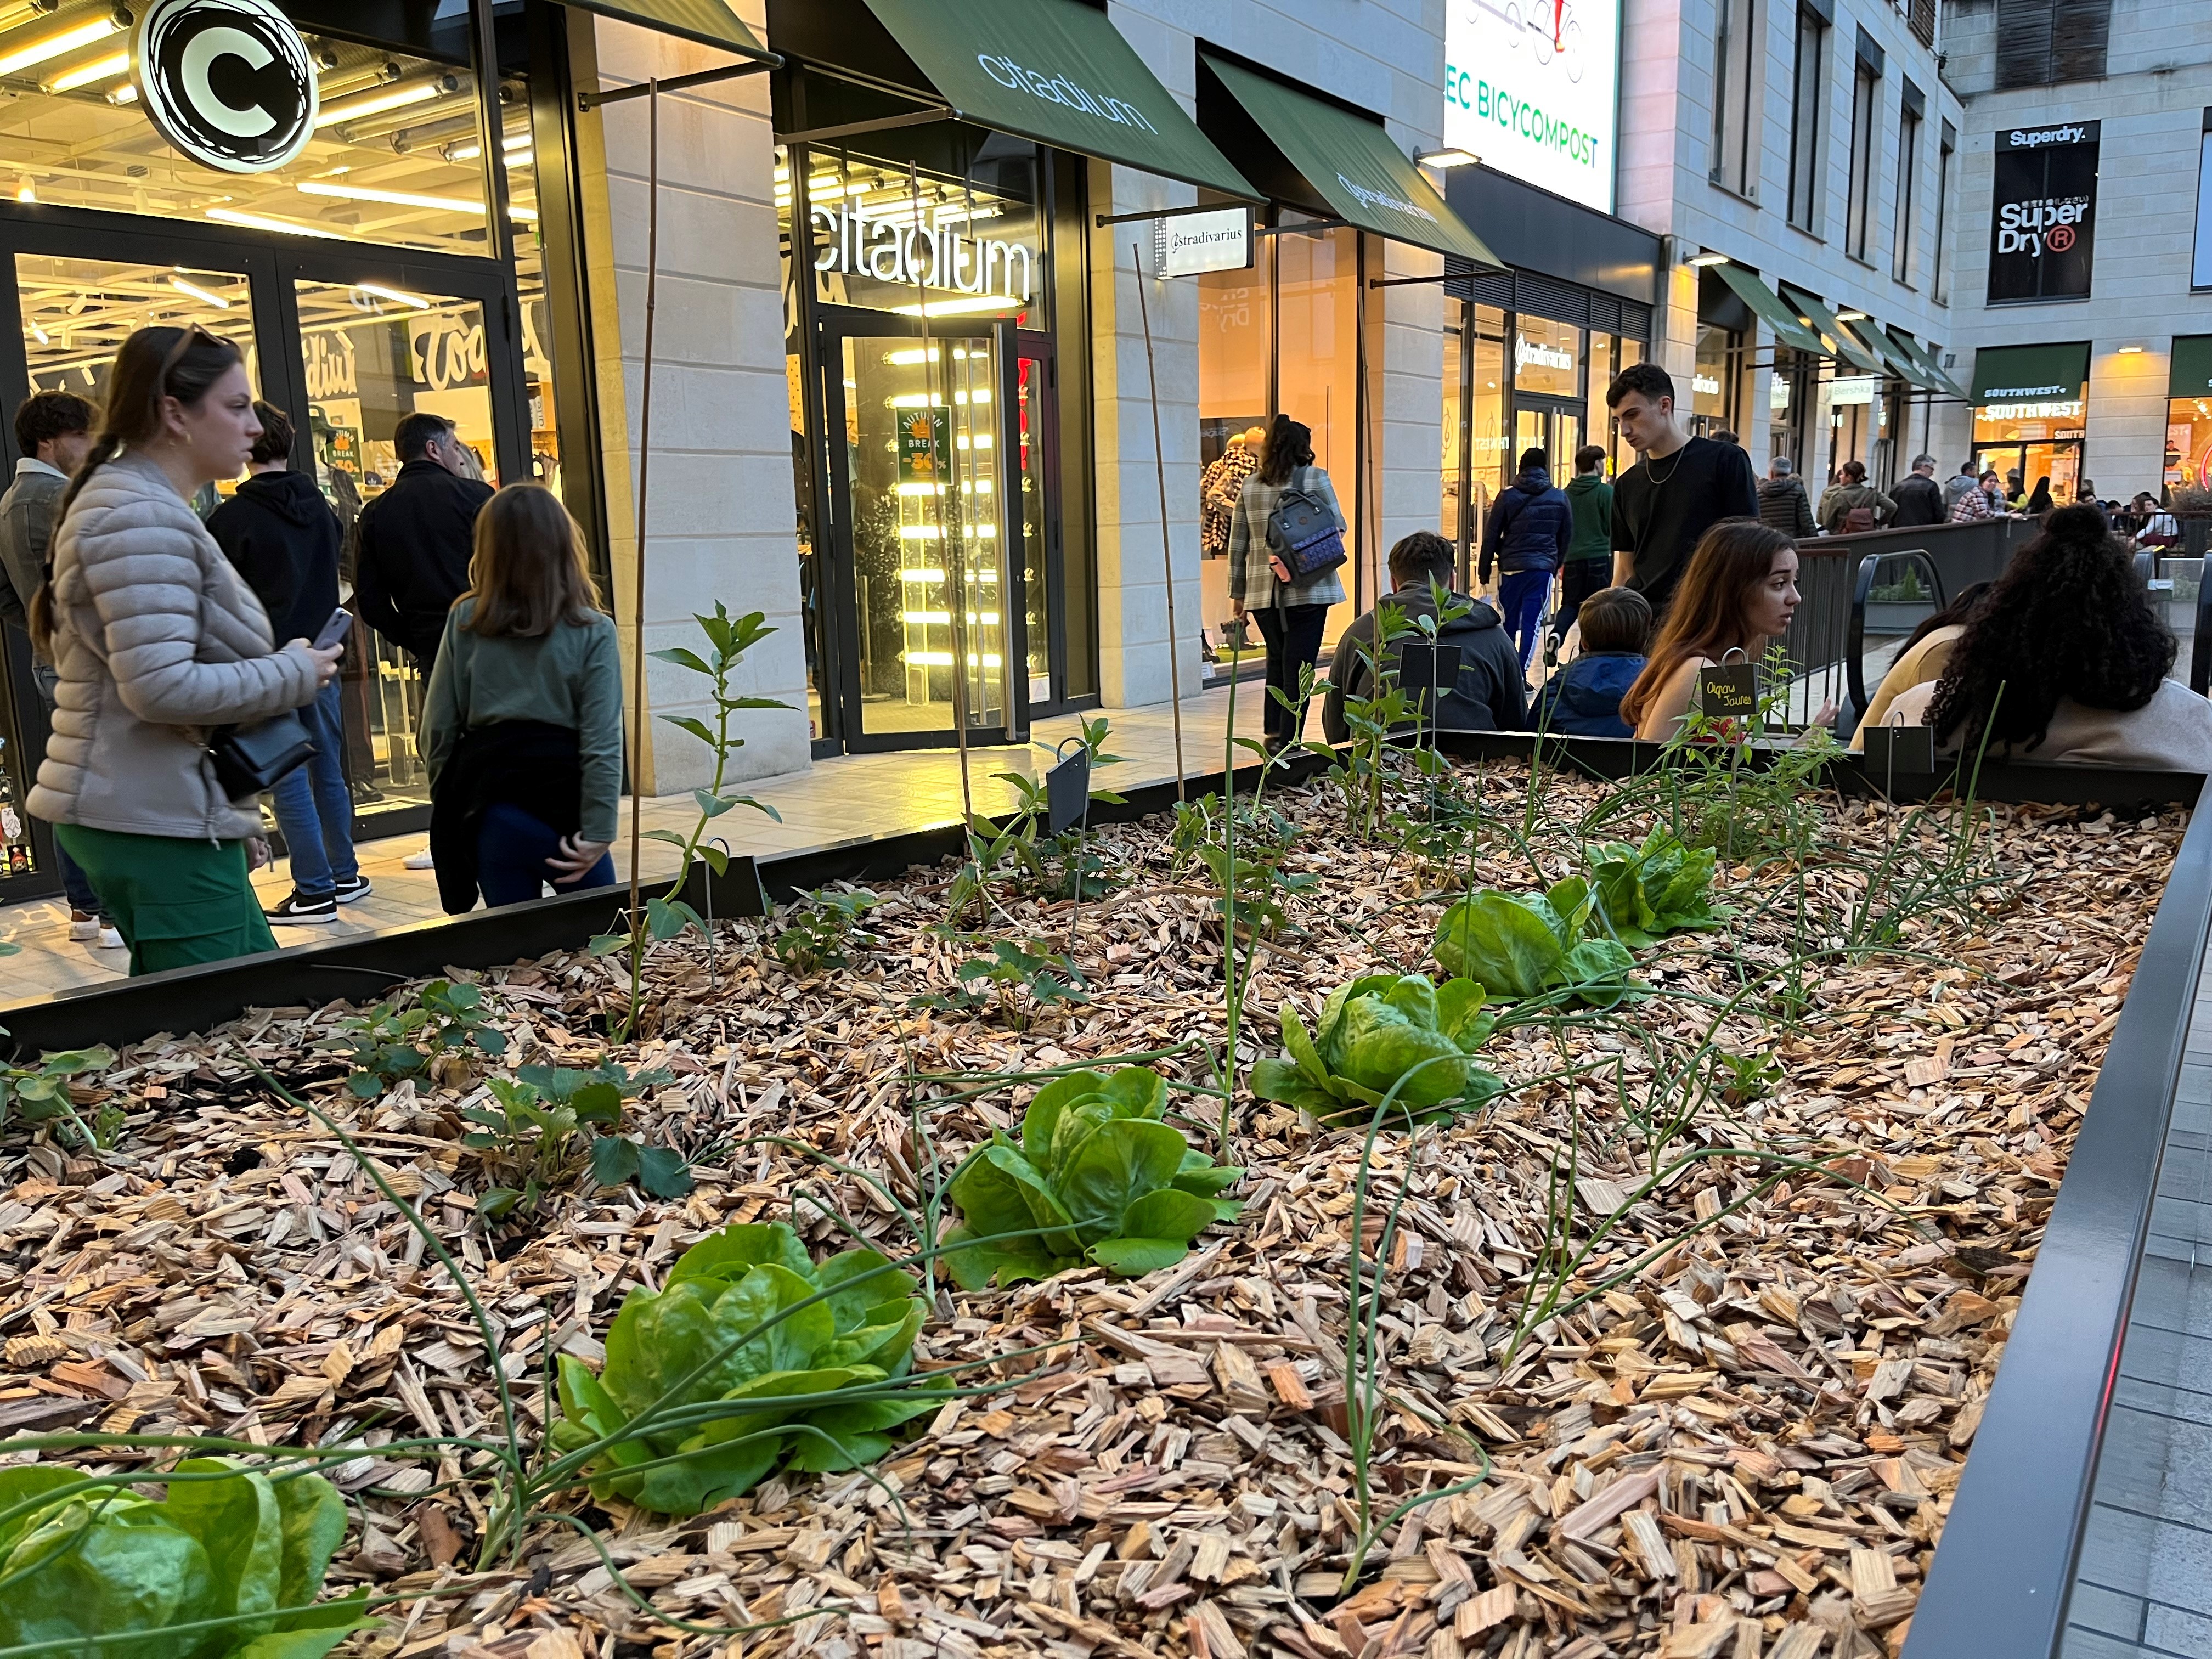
{"points": [[1745, 1448]]}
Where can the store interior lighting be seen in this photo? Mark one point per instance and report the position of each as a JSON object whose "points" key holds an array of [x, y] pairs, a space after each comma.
{"points": [[398, 295], [403, 198], [104, 67], [354, 105], [51, 47], [964, 305], [245, 221], [14, 16], [183, 285]]}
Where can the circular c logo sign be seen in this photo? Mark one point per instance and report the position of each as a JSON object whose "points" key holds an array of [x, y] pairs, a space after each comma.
{"points": [[228, 82]]}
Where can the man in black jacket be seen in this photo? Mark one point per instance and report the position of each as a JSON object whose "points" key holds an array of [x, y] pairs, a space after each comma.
{"points": [[281, 535], [415, 540], [1489, 696], [1919, 498]]}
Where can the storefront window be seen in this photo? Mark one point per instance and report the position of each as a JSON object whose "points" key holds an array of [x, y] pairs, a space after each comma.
{"points": [[76, 313], [1608, 354], [2031, 441], [1547, 357], [1489, 466], [1234, 401], [1713, 379], [395, 158], [2188, 444]]}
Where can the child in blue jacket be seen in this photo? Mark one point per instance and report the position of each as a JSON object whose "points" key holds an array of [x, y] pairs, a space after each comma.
{"points": [[1583, 699]]}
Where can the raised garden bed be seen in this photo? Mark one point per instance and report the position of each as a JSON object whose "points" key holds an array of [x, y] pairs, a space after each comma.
{"points": [[1700, 1312]]}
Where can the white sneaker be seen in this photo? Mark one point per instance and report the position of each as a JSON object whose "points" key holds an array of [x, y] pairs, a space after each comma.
{"points": [[83, 928], [110, 938], [419, 860]]}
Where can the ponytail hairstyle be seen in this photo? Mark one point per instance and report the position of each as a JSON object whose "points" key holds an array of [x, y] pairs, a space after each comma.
{"points": [[2068, 619], [154, 363], [528, 574], [1707, 615], [1289, 445]]}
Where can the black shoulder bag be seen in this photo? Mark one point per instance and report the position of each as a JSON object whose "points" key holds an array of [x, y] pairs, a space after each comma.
{"points": [[249, 759]]}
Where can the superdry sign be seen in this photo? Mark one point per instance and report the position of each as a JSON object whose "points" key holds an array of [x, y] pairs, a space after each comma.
{"points": [[2042, 236]]}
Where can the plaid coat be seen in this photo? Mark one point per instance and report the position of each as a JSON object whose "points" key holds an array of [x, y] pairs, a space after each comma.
{"points": [[1250, 580]]}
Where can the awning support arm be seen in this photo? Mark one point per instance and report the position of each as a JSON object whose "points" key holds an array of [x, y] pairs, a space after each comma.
{"points": [[1104, 220], [912, 117], [1304, 226], [588, 102], [1443, 276]]}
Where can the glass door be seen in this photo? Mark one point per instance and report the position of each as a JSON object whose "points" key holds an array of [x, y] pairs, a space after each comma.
{"points": [[928, 606], [1555, 428]]}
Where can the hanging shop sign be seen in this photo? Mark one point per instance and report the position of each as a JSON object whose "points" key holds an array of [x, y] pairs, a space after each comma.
{"points": [[229, 84], [2043, 219], [894, 249], [1194, 243], [1533, 86]]}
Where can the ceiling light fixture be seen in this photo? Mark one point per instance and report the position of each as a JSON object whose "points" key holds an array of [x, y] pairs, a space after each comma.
{"points": [[1706, 259], [223, 215], [100, 69], [404, 298], [1847, 315], [406, 199], [965, 306], [124, 94], [2129, 350], [38, 333], [354, 105], [1451, 156], [68, 40], [198, 293]]}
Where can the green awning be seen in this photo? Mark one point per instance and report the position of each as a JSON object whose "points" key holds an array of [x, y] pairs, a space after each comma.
{"points": [[1840, 343], [2191, 373], [1057, 72], [1767, 307], [710, 22], [2031, 373], [1933, 376], [1873, 337], [1354, 165]]}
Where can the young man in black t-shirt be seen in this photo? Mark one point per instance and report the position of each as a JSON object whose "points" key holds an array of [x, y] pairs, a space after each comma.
{"points": [[1664, 504]]}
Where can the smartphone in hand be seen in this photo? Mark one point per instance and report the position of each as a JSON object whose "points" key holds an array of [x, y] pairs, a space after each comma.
{"points": [[335, 630]]}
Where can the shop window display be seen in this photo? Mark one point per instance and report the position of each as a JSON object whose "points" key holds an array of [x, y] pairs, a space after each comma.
{"points": [[1234, 396], [2188, 446], [2036, 440]]}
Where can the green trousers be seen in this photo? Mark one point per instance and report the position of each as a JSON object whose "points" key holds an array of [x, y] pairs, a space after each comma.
{"points": [[176, 903]]}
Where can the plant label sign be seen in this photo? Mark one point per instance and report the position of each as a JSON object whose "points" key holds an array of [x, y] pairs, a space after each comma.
{"points": [[925, 443], [1729, 693]]}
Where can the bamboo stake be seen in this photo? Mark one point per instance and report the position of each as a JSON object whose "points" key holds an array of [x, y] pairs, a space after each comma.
{"points": [[644, 477], [956, 563], [1167, 557]]}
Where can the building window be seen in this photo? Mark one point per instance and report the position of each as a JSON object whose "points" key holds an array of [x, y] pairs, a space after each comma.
{"points": [[1908, 175], [1866, 103], [1805, 126], [1943, 213], [2041, 43], [1714, 379], [2200, 268], [1735, 75]]}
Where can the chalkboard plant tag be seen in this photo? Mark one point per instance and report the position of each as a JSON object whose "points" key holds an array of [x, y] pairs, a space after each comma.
{"points": [[1067, 792], [1892, 749], [1729, 693]]}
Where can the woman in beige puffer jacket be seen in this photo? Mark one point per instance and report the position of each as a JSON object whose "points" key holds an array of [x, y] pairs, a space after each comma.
{"points": [[156, 641]]}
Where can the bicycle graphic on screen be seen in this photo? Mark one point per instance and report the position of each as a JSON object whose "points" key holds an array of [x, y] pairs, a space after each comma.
{"points": [[1550, 27]]}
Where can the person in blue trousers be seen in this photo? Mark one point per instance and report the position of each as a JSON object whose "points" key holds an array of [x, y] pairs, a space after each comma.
{"points": [[1531, 522], [281, 536]]}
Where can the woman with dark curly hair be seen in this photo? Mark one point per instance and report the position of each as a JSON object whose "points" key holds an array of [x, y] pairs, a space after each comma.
{"points": [[2065, 660]]}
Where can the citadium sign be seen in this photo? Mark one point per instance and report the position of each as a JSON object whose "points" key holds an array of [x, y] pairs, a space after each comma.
{"points": [[1532, 88]]}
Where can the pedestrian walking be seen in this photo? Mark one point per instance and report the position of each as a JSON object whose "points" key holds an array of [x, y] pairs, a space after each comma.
{"points": [[1588, 568], [1525, 540], [281, 535], [1683, 486], [161, 651], [1782, 502], [1919, 497], [1854, 505], [522, 729], [53, 429], [1289, 612]]}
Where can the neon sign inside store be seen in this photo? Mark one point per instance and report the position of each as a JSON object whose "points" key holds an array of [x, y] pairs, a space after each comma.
{"points": [[897, 250]]}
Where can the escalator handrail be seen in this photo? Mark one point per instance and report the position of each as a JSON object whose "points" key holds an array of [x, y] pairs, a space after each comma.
{"points": [[1854, 645]]}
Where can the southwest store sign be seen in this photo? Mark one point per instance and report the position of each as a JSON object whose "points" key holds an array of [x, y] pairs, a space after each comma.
{"points": [[1531, 86], [2044, 217]]}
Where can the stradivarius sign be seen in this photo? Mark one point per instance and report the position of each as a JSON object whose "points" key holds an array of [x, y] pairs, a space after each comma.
{"points": [[229, 84]]}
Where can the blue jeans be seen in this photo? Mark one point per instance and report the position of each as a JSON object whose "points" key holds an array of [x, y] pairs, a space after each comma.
{"points": [[512, 847], [315, 808], [1521, 595], [75, 882]]}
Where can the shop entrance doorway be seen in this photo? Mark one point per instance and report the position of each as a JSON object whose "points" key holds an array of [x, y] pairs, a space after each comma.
{"points": [[1554, 428], [2058, 460], [936, 493], [347, 339]]}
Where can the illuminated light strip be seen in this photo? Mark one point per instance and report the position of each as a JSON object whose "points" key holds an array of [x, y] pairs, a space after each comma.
{"points": [[100, 69], [54, 46], [973, 302], [262, 221], [989, 618], [125, 94], [925, 574], [943, 660], [929, 533], [377, 104], [382, 292], [405, 198], [199, 293]]}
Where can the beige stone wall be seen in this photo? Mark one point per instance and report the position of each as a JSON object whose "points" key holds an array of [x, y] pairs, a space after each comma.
{"points": [[720, 522]]}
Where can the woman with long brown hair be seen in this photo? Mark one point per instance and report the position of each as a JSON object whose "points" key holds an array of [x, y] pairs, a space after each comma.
{"points": [[1739, 592], [157, 644], [522, 727]]}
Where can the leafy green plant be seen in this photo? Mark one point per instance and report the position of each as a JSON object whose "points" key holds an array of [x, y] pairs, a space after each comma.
{"points": [[1097, 1177], [1381, 1032], [746, 1315], [665, 915], [549, 1119], [822, 925], [1060, 867], [1660, 888], [392, 1043], [1740, 1079], [1018, 983], [40, 1093], [94, 1562], [1515, 946]]}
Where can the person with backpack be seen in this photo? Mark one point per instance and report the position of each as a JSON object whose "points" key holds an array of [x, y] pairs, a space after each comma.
{"points": [[1920, 498], [281, 535], [1283, 565], [1589, 554], [1526, 539], [1854, 505]]}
